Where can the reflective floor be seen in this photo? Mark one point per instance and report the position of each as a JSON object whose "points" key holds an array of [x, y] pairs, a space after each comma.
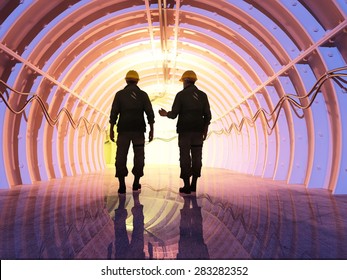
{"points": [[232, 216]]}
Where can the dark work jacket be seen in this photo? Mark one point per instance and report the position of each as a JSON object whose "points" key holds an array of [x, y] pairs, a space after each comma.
{"points": [[193, 110], [128, 107]]}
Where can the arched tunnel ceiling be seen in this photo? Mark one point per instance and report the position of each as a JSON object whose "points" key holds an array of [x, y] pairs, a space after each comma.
{"points": [[248, 55]]}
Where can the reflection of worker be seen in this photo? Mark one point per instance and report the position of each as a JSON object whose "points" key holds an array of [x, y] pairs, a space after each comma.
{"points": [[191, 244], [121, 235], [192, 106], [135, 248], [130, 104]]}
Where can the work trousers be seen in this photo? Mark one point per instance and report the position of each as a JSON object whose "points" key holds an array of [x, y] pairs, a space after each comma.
{"points": [[123, 142], [190, 145]]}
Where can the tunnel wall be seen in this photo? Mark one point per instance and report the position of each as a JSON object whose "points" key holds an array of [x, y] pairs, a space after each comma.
{"points": [[273, 71]]}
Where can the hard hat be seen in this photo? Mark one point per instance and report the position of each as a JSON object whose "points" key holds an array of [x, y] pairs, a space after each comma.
{"points": [[189, 75], [132, 75]]}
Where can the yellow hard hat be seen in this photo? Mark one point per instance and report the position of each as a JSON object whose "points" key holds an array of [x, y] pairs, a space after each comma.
{"points": [[189, 75], [132, 75]]}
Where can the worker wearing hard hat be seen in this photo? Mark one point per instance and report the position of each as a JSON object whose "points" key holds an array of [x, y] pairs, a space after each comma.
{"points": [[128, 107], [194, 116]]}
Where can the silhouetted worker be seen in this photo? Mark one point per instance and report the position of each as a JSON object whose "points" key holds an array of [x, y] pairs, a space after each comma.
{"points": [[129, 105], [194, 116], [191, 244], [133, 250]]}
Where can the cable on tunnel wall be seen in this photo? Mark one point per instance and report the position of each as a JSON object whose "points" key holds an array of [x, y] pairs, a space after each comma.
{"points": [[51, 120], [336, 75]]}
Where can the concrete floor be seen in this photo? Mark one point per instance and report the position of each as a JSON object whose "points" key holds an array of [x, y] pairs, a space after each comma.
{"points": [[231, 216]]}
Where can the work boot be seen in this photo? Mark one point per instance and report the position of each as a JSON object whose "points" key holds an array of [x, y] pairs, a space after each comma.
{"points": [[136, 184], [122, 187], [186, 188], [136, 187], [193, 184]]}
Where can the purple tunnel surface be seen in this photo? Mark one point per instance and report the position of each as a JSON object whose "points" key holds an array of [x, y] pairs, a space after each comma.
{"points": [[231, 216]]}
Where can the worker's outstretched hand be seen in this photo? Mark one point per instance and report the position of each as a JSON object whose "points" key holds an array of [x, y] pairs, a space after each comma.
{"points": [[162, 112]]}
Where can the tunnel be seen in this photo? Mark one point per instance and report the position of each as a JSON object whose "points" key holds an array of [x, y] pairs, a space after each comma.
{"points": [[275, 74]]}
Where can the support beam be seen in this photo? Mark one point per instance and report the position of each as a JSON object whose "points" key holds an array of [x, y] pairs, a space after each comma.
{"points": [[34, 68]]}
